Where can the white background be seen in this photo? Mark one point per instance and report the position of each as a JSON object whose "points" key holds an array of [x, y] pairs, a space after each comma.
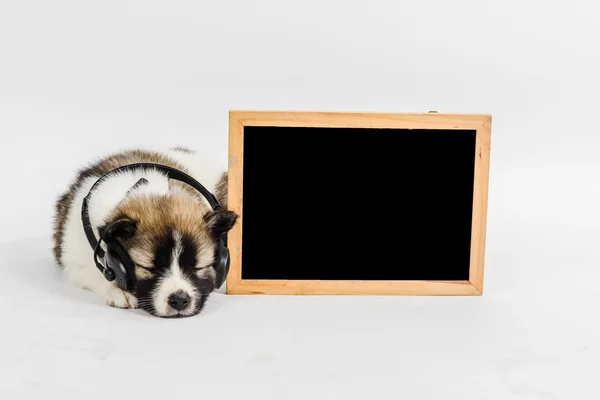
{"points": [[78, 79]]}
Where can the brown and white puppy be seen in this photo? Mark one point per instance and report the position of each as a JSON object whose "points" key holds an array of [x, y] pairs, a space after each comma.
{"points": [[167, 227]]}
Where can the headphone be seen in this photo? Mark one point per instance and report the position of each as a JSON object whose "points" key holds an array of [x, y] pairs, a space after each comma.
{"points": [[118, 265]]}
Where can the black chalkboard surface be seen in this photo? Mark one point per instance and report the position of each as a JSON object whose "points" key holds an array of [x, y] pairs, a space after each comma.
{"points": [[354, 205]]}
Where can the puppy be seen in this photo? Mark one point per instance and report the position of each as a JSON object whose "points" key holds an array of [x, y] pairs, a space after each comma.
{"points": [[167, 228]]}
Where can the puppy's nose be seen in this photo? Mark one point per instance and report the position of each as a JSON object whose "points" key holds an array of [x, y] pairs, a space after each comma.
{"points": [[179, 300]]}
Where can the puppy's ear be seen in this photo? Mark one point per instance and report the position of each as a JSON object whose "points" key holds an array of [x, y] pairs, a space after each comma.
{"points": [[123, 228], [220, 221]]}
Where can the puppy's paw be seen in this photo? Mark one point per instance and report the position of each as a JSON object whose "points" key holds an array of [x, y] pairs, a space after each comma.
{"points": [[132, 301], [115, 297]]}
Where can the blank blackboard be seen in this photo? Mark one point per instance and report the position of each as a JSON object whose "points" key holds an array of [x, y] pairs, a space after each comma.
{"points": [[329, 206]]}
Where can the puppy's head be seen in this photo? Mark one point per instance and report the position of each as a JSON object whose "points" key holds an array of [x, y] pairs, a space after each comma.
{"points": [[172, 241]]}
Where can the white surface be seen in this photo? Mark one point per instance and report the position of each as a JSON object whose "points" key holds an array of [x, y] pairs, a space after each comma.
{"points": [[81, 78], [527, 339]]}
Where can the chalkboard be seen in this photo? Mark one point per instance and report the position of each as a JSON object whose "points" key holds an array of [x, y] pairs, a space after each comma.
{"points": [[337, 203]]}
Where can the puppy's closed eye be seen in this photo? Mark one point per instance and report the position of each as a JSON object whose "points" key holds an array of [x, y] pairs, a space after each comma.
{"points": [[201, 267], [145, 272]]}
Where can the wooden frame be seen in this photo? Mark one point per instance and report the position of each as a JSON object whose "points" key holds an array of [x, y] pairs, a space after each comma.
{"points": [[432, 120]]}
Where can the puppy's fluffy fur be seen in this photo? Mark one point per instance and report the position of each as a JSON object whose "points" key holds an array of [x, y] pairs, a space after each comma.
{"points": [[167, 227]]}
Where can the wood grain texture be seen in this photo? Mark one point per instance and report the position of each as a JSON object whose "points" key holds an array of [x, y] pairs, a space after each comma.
{"points": [[360, 120], [381, 288], [480, 204], [481, 123], [234, 200]]}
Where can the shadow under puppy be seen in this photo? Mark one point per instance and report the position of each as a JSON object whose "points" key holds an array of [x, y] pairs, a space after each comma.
{"points": [[168, 229]]}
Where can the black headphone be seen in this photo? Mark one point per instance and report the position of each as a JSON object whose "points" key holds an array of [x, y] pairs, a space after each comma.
{"points": [[117, 263]]}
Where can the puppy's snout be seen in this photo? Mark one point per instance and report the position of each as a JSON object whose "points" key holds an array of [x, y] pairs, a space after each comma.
{"points": [[179, 300]]}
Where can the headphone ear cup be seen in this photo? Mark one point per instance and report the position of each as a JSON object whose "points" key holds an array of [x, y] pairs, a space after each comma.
{"points": [[120, 263], [222, 265]]}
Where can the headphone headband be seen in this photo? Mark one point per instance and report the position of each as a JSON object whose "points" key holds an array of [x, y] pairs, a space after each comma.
{"points": [[172, 173]]}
